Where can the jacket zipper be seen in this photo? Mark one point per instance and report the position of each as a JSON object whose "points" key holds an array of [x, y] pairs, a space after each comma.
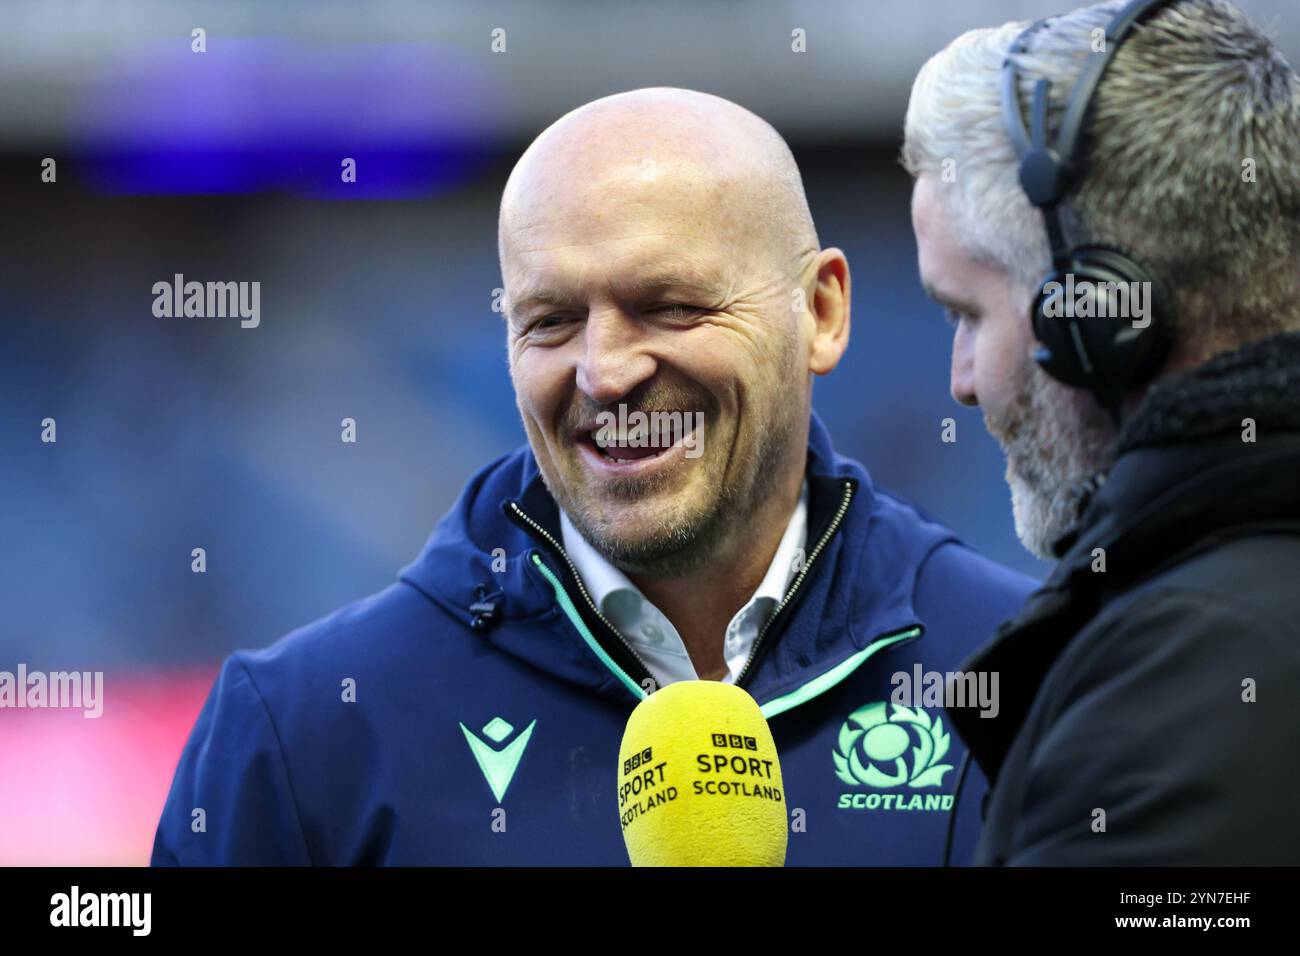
{"points": [[798, 581], [771, 621], [582, 589]]}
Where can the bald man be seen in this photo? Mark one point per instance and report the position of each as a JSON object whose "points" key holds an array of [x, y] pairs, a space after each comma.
{"points": [[678, 513]]}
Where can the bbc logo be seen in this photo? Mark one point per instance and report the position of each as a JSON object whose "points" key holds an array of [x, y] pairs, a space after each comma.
{"points": [[636, 760], [735, 741]]}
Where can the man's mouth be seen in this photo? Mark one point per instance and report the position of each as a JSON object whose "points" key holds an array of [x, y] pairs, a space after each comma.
{"points": [[619, 445], [622, 454]]}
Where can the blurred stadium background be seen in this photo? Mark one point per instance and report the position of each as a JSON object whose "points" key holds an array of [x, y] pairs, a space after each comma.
{"points": [[376, 305]]}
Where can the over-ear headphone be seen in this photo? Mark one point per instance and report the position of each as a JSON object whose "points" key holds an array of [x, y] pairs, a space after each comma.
{"points": [[1101, 352]]}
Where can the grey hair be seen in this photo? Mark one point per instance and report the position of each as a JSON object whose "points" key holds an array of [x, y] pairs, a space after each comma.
{"points": [[1197, 102]]}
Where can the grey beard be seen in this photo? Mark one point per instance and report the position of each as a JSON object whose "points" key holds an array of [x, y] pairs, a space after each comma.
{"points": [[1055, 439], [1043, 518]]}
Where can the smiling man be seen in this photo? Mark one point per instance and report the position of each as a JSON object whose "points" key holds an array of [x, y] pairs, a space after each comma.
{"points": [[664, 280], [677, 513]]}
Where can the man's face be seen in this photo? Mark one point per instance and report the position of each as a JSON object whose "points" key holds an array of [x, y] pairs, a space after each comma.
{"points": [[642, 289], [1054, 437]]}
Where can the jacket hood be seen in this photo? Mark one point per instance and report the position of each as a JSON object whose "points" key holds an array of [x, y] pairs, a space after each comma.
{"points": [[478, 557], [1188, 474]]}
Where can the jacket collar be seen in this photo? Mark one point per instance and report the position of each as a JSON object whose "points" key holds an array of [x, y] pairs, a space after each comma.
{"points": [[603, 579]]}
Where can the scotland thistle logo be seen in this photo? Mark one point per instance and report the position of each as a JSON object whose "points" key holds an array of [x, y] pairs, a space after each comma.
{"points": [[885, 745]]}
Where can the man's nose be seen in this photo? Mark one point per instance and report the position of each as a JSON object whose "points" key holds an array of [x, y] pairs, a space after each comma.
{"points": [[614, 357], [962, 377]]}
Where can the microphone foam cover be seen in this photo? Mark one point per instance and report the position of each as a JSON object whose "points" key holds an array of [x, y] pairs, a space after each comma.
{"points": [[699, 782]]}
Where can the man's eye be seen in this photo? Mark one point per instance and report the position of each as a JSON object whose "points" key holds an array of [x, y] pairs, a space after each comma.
{"points": [[549, 323], [955, 318], [675, 311]]}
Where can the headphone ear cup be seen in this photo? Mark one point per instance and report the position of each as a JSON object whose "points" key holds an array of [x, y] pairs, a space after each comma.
{"points": [[1103, 321], [1058, 354]]}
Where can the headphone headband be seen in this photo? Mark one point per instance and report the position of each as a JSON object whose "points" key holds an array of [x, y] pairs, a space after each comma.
{"points": [[1048, 170], [1088, 350]]}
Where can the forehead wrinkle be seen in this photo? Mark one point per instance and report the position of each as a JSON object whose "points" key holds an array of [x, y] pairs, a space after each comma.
{"points": [[682, 278], [706, 239], [596, 242]]}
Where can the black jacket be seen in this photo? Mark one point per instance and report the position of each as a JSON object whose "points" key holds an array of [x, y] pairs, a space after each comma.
{"points": [[1129, 691]]}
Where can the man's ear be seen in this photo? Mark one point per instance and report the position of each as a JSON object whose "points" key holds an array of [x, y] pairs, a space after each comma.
{"points": [[829, 308]]}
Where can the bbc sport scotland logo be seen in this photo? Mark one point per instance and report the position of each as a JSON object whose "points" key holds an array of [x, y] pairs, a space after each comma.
{"points": [[885, 746]]}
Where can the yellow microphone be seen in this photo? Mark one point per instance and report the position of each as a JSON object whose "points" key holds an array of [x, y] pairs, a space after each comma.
{"points": [[699, 782]]}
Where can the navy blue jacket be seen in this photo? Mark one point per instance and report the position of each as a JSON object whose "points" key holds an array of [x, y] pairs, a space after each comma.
{"points": [[471, 713]]}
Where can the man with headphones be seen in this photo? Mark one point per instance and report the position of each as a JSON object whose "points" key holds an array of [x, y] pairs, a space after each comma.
{"points": [[1107, 206]]}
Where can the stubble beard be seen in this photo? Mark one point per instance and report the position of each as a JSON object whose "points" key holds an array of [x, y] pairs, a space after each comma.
{"points": [[688, 534]]}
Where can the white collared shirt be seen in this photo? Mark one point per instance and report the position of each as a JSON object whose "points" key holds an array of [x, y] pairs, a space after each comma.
{"points": [[652, 635]]}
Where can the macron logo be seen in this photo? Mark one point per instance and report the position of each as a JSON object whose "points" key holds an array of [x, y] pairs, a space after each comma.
{"points": [[498, 766]]}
